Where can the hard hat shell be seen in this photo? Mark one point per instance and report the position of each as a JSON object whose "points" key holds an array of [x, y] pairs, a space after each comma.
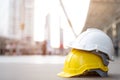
{"points": [[78, 62], [94, 39]]}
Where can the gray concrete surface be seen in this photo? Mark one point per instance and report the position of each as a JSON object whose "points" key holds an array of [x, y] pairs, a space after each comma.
{"points": [[17, 70]]}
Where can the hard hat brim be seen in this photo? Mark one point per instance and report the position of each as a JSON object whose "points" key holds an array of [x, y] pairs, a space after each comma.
{"points": [[64, 74]]}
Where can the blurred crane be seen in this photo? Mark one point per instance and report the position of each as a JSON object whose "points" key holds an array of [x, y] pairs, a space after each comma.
{"points": [[69, 22]]}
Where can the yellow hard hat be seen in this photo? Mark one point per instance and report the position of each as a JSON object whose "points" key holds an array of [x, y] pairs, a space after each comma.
{"points": [[78, 62]]}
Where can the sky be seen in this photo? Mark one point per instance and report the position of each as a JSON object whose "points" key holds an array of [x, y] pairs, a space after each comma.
{"points": [[76, 11], [4, 18]]}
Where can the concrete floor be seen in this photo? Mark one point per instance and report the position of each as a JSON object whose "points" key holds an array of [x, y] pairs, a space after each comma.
{"points": [[45, 68]]}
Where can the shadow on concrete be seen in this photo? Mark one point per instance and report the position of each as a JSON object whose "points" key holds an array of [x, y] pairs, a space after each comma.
{"points": [[94, 77]]}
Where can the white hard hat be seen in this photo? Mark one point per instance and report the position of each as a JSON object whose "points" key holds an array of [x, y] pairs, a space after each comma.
{"points": [[94, 39]]}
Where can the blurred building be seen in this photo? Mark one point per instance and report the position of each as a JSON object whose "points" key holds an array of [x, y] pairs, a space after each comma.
{"points": [[21, 18], [104, 14]]}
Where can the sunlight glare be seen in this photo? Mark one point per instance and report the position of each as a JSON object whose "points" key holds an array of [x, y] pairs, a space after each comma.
{"points": [[77, 12]]}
